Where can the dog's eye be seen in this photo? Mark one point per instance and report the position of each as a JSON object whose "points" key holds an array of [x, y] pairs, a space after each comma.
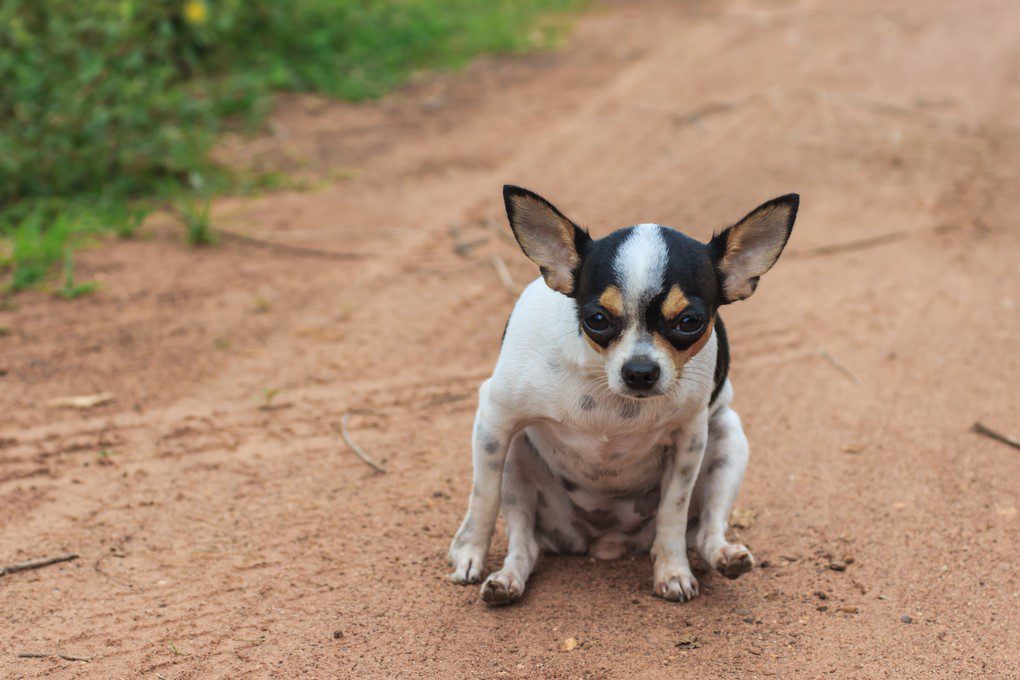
{"points": [[688, 324], [597, 323]]}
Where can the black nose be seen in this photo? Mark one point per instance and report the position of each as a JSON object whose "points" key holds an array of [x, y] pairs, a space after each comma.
{"points": [[640, 373]]}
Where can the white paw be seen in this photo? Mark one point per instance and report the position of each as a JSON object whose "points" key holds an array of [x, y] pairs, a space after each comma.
{"points": [[502, 588], [675, 582], [468, 562], [733, 560]]}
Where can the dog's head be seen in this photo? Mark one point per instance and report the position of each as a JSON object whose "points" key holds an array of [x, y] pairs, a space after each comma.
{"points": [[647, 296]]}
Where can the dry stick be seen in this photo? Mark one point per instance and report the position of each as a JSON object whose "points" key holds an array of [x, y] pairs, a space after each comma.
{"points": [[839, 366], [286, 248], [504, 275], [462, 247], [861, 244], [354, 447], [36, 564], [713, 108], [48, 655], [980, 428], [273, 245]]}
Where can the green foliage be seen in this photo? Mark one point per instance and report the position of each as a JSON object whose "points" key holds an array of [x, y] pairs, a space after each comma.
{"points": [[197, 225], [108, 102], [70, 290]]}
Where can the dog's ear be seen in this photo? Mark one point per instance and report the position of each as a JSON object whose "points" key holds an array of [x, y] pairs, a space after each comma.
{"points": [[546, 236], [750, 247]]}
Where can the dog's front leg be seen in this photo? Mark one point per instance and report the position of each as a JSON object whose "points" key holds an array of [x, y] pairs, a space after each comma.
{"points": [[673, 577], [490, 439]]}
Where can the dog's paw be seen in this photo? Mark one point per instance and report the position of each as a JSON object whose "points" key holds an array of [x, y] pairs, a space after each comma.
{"points": [[468, 562], [676, 584], [733, 561], [502, 588]]}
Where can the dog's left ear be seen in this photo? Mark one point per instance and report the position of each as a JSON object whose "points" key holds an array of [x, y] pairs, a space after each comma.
{"points": [[750, 247], [546, 236]]}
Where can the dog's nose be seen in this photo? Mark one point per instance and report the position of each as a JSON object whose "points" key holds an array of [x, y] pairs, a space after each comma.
{"points": [[640, 373]]}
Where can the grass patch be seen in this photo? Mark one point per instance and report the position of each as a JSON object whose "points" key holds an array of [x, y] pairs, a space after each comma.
{"points": [[110, 107]]}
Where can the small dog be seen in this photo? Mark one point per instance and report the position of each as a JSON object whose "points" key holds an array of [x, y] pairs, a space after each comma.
{"points": [[606, 426]]}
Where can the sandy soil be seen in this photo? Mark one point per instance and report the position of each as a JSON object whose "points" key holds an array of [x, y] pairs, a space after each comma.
{"points": [[225, 530]]}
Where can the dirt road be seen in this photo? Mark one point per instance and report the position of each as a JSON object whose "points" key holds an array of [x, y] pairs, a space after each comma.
{"points": [[225, 531]]}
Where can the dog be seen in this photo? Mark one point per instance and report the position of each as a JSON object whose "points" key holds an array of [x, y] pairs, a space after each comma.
{"points": [[606, 426]]}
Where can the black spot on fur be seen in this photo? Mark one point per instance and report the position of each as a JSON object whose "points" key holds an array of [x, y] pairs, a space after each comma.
{"points": [[562, 542], [598, 519], [587, 402], [648, 504], [581, 528], [568, 485], [510, 500], [717, 463], [491, 446], [597, 474], [686, 471], [697, 443]]}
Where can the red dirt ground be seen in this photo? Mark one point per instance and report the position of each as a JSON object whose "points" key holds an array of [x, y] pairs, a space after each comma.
{"points": [[227, 534]]}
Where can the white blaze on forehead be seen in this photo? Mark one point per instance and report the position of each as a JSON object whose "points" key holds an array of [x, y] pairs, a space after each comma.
{"points": [[640, 266]]}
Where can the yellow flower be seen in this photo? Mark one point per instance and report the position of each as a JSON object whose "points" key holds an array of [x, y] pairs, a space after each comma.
{"points": [[196, 12]]}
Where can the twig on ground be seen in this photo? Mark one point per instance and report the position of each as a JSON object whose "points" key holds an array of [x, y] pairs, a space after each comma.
{"points": [[445, 399], [712, 108], [285, 248], [981, 428], [355, 448], [50, 655], [504, 275], [462, 247], [839, 366], [499, 230], [36, 564], [870, 242]]}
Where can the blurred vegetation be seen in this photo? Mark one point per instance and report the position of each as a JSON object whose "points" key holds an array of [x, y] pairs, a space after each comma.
{"points": [[110, 107]]}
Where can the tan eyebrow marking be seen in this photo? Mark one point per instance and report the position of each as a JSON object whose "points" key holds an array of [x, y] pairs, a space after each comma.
{"points": [[674, 303], [612, 300]]}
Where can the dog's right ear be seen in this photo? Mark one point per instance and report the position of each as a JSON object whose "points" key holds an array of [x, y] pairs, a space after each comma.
{"points": [[546, 236]]}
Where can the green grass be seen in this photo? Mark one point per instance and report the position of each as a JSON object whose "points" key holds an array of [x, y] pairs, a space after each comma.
{"points": [[110, 107]]}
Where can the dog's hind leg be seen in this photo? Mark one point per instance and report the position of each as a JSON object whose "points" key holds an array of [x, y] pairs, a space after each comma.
{"points": [[716, 488], [520, 507]]}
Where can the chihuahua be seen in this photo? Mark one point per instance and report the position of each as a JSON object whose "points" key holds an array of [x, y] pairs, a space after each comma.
{"points": [[606, 426]]}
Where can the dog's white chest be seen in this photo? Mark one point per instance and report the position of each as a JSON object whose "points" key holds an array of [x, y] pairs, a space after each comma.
{"points": [[604, 457]]}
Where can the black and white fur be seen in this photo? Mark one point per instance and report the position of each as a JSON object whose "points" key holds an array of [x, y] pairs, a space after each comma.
{"points": [[606, 426]]}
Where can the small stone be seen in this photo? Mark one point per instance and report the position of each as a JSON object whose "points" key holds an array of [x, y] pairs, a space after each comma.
{"points": [[337, 634], [688, 642], [849, 610], [837, 565], [748, 619], [906, 618], [743, 518], [569, 645], [822, 607], [821, 595]]}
